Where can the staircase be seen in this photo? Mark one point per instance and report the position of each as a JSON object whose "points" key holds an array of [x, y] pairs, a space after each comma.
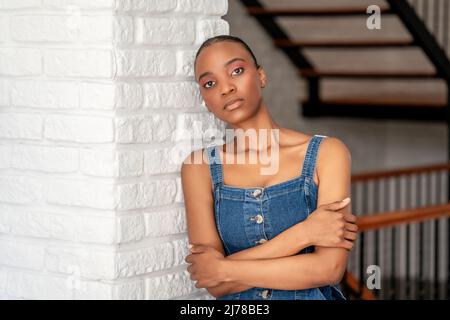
{"points": [[397, 72]]}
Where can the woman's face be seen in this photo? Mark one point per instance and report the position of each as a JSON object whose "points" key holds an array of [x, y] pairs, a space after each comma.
{"points": [[225, 71]]}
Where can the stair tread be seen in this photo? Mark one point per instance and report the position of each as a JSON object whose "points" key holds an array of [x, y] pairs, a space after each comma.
{"points": [[391, 101], [284, 43], [345, 29], [377, 62], [309, 11], [322, 3]]}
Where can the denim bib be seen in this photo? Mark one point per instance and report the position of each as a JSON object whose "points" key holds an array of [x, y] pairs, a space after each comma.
{"points": [[247, 217]]}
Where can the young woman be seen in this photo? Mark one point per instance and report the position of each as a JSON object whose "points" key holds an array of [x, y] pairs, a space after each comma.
{"points": [[285, 235]]}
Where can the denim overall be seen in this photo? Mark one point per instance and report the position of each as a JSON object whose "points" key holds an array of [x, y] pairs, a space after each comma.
{"points": [[247, 217]]}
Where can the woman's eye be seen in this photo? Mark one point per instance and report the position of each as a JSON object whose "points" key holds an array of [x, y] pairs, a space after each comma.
{"points": [[206, 84], [238, 69]]}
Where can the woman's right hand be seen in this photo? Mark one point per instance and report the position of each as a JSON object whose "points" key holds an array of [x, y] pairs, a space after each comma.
{"points": [[327, 227]]}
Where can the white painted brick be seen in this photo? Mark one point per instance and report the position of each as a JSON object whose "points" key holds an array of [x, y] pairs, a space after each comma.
{"points": [[209, 7], [20, 62], [129, 96], [19, 189], [5, 156], [79, 129], [37, 286], [97, 96], [146, 194], [199, 126], [23, 255], [143, 129], [172, 95], [169, 286], [163, 223], [185, 63], [208, 28], [123, 30], [165, 31], [48, 159], [61, 226], [57, 95], [130, 228], [3, 278], [4, 29], [5, 225], [91, 263], [88, 193], [145, 63], [158, 161], [130, 163], [94, 290], [20, 126], [4, 93], [147, 6], [36, 28], [108, 96], [129, 291], [15, 4], [110, 163], [157, 257], [82, 4], [97, 162], [103, 26], [78, 63]]}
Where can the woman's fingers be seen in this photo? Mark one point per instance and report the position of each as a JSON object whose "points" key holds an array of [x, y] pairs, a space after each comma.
{"points": [[350, 235], [347, 244], [351, 227], [338, 205], [349, 217]]}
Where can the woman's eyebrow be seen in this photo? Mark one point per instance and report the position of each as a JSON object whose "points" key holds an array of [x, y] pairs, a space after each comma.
{"points": [[226, 64]]}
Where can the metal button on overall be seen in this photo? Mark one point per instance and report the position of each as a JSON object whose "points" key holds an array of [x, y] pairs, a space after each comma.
{"points": [[259, 219], [261, 241], [265, 294], [257, 193]]}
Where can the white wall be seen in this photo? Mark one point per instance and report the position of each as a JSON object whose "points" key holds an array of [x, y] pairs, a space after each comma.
{"points": [[374, 144], [94, 98]]}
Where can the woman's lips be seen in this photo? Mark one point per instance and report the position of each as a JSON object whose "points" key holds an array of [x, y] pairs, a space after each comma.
{"points": [[234, 105]]}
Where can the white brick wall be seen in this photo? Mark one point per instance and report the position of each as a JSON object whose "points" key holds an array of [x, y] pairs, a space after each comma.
{"points": [[97, 110]]}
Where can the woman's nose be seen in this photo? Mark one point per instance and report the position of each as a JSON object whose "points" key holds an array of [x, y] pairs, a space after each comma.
{"points": [[227, 88]]}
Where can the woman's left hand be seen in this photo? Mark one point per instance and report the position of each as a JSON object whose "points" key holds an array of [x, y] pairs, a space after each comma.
{"points": [[206, 266]]}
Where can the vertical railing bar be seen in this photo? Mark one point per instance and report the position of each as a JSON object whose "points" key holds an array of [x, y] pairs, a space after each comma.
{"points": [[377, 232], [408, 205], [361, 264]]}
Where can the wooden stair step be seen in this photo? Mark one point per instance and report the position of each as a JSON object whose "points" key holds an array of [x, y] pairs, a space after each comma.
{"points": [[367, 74], [338, 31], [388, 101], [407, 62], [410, 92], [258, 11], [286, 43]]}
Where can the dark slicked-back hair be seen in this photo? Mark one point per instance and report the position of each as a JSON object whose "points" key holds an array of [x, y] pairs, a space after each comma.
{"points": [[222, 38]]}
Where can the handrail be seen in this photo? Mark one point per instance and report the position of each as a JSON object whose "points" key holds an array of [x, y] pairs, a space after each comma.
{"points": [[398, 172], [394, 218]]}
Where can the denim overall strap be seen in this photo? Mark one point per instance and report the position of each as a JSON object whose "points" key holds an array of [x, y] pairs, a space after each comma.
{"points": [[311, 156], [215, 165]]}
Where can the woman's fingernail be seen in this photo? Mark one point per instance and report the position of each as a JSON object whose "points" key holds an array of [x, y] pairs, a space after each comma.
{"points": [[346, 199], [190, 246]]}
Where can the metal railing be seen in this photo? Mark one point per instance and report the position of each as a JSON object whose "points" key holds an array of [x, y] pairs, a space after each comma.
{"points": [[405, 231]]}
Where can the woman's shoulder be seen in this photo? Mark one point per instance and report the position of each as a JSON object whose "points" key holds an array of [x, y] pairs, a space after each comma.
{"points": [[196, 165]]}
